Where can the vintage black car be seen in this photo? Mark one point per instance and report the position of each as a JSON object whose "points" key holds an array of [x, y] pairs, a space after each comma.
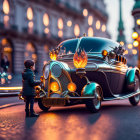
{"points": [[88, 70]]}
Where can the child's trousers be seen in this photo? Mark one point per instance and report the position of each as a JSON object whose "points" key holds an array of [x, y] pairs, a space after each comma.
{"points": [[29, 104]]}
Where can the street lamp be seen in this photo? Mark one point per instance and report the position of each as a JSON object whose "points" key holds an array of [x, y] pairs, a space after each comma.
{"points": [[135, 35], [138, 21], [135, 43]]}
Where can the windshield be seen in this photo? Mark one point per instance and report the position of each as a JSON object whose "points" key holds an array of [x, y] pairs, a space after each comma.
{"points": [[89, 44]]}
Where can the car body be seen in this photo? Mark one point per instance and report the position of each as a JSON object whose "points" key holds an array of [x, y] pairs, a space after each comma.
{"points": [[104, 77]]}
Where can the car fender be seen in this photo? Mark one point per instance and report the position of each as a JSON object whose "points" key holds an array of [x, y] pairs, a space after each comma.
{"points": [[89, 89], [130, 77]]}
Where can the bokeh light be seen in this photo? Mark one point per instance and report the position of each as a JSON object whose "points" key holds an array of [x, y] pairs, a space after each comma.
{"points": [[85, 12], [6, 7], [135, 43], [29, 13], [135, 35]]}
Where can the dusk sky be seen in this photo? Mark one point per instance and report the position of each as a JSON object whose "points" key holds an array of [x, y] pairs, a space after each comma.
{"points": [[113, 12]]}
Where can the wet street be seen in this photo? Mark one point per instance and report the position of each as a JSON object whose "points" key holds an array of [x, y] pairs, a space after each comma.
{"points": [[117, 120]]}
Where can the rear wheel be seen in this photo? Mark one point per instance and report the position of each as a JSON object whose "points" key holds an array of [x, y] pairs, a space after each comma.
{"points": [[42, 106], [135, 99], [94, 105]]}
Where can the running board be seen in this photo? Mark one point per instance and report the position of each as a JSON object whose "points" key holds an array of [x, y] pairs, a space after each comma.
{"points": [[120, 97]]}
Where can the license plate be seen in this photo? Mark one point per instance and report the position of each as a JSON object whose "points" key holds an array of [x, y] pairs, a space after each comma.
{"points": [[54, 102]]}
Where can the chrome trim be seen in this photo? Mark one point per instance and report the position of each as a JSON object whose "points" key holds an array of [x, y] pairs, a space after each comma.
{"points": [[123, 97]]}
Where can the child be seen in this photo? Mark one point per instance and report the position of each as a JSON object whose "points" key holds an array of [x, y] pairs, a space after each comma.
{"points": [[28, 91]]}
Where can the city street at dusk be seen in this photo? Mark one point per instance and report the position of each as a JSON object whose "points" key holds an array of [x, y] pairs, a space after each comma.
{"points": [[117, 120], [69, 69]]}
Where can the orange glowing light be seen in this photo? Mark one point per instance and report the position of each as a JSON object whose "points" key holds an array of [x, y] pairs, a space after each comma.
{"points": [[46, 30], [53, 55], [134, 51], [135, 43], [71, 87], [98, 24], [46, 19], [104, 53], [54, 86], [10, 88], [60, 33], [126, 52], [6, 7], [60, 23], [138, 21], [69, 23], [80, 61], [90, 20], [30, 24], [135, 35], [2, 80], [103, 28], [85, 12], [29, 13], [45, 62], [122, 43], [90, 31], [9, 77], [130, 46], [76, 30]]}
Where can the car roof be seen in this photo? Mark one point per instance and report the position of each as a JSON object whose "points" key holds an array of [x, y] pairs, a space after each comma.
{"points": [[89, 44]]}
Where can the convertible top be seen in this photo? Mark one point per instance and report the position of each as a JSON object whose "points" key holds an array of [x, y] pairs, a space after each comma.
{"points": [[89, 44]]}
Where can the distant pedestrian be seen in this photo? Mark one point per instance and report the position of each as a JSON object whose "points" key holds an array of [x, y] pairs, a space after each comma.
{"points": [[5, 63], [28, 91]]}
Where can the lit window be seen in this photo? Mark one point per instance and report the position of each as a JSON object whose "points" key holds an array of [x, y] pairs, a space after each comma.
{"points": [[46, 30], [103, 28], [85, 12], [6, 7], [69, 23], [98, 24], [30, 52], [29, 13], [60, 23], [46, 19], [90, 31], [90, 20], [60, 33], [76, 30]]}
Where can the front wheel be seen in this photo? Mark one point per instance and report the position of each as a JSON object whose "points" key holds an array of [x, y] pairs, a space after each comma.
{"points": [[94, 105], [135, 99], [42, 106]]}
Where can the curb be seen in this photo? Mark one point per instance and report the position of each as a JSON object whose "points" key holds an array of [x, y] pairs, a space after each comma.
{"points": [[10, 105], [9, 94]]}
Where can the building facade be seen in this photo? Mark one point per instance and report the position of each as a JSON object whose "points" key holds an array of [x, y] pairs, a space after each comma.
{"points": [[136, 33], [30, 28]]}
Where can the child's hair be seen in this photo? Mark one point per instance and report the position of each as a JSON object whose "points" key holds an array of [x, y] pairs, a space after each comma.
{"points": [[28, 63]]}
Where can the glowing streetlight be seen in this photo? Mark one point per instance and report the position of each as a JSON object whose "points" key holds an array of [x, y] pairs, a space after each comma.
{"points": [[103, 28], [135, 43], [135, 35], [60, 23], [98, 24], [138, 21]]}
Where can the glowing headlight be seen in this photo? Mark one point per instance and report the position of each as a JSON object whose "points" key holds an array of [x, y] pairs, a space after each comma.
{"points": [[46, 71], [71, 87], [54, 86]]}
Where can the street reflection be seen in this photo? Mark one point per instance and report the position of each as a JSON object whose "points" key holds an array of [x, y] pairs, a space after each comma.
{"points": [[58, 124]]}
